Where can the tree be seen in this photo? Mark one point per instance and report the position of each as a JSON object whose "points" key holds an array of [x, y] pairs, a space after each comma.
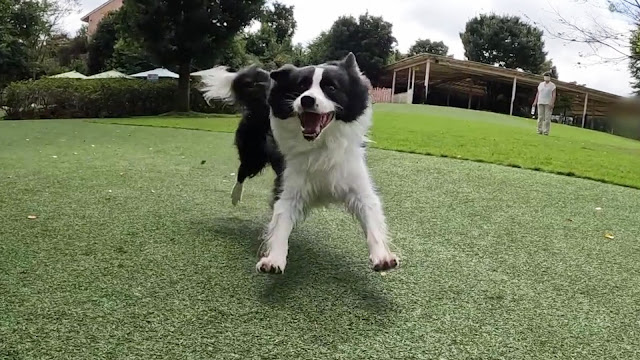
{"points": [[598, 35], [74, 50], [45, 18], [369, 37], [102, 43], [563, 103], [505, 41], [271, 44], [13, 51], [426, 46], [179, 33], [318, 48], [548, 66]]}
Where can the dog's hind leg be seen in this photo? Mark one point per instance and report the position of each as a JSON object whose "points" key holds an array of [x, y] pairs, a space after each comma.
{"points": [[278, 168], [236, 193]]}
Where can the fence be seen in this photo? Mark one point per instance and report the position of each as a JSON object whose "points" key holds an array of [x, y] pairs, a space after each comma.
{"points": [[380, 95]]}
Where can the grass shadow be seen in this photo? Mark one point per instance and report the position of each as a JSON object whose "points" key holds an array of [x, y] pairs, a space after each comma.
{"points": [[312, 268]]}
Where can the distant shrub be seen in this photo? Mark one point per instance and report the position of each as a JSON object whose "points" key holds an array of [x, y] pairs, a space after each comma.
{"points": [[56, 98]]}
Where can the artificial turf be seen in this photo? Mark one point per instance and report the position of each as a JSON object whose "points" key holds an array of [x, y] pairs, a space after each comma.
{"points": [[479, 136], [136, 252]]}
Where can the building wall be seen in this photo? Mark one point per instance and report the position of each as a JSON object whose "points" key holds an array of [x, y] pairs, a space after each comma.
{"points": [[96, 17]]}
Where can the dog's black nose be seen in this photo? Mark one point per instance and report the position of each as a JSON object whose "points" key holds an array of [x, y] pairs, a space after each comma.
{"points": [[307, 102]]}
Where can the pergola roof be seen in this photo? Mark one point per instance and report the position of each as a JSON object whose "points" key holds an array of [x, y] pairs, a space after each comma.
{"points": [[459, 75]]}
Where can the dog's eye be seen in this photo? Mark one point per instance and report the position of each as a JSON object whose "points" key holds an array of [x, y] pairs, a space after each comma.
{"points": [[331, 88]]}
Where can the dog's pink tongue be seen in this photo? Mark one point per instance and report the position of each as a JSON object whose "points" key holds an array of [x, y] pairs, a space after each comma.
{"points": [[311, 123]]}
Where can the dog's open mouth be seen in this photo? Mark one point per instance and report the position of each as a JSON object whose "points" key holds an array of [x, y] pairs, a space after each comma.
{"points": [[313, 123]]}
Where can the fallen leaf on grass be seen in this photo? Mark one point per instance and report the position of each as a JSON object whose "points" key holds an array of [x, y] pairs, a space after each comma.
{"points": [[55, 157], [598, 208], [609, 236], [32, 217], [203, 162]]}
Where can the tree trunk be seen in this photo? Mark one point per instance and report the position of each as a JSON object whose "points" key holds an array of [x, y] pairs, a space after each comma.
{"points": [[184, 86]]}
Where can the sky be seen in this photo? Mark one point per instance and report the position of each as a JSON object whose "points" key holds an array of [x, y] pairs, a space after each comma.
{"points": [[415, 19]]}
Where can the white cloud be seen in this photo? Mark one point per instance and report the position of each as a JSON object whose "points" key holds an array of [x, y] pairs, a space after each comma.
{"points": [[413, 19]]}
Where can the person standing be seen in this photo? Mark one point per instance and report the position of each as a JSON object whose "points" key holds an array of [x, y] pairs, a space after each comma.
{"points": [[545, 100]]}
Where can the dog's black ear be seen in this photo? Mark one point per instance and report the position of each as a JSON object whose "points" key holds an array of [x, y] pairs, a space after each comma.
{"points": [[282, 74], [351, 65], [350, 62]]}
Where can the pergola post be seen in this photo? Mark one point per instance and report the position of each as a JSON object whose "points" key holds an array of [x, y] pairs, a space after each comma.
{"points": [[470, 92], [426, 80], [393, 85], [413, 86], [408, 85], [513, 94], [584, 111]]}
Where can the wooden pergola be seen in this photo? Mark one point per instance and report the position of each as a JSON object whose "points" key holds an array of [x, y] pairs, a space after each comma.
{"points": [[462, 76]]}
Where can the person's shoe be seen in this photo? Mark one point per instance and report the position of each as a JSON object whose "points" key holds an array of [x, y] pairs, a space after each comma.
{"points": [[547, 134]]}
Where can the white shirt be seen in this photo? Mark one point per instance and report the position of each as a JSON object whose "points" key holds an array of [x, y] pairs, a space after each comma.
{"points": [[545, 93]]}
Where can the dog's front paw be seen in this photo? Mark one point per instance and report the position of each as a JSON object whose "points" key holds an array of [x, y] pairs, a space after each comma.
{"points": [[271, 265], [385, 262], [236, 193]]}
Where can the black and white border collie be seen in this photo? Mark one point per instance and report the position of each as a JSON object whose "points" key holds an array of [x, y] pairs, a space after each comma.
{"points": [[319, 117]]}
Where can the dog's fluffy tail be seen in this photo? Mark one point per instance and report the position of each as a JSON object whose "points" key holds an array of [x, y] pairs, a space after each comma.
{"points": [[248, 87], [218, 84]]}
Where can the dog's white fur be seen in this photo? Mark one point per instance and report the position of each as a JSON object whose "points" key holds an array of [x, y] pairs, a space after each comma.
{"points": [[329, 169], [218, 83]]}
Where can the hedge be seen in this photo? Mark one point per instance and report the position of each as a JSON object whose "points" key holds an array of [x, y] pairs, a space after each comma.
{"points": [[57, 98]]}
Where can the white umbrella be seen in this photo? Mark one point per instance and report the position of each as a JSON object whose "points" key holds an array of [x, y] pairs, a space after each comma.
{"points": [[70, 75], [159, 72], [110, 74]]}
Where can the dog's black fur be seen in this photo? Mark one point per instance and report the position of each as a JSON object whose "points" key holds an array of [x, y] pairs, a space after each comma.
{"points": [[253, 138]]}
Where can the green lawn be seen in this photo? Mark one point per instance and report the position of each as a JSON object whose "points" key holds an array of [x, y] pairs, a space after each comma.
{"points": [[136, 252], [480, 136]]}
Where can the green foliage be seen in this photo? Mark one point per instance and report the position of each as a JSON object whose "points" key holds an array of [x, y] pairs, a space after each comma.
{"points": [[317, 49], [563, 103], [113, 47], [505, 41], [369, 37], [426, 46], [129, 57], [73, 50], [102, 43], [179, 33], [232, 54], [17, 23], [548, 66], [78, 98], [271, 45]]}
